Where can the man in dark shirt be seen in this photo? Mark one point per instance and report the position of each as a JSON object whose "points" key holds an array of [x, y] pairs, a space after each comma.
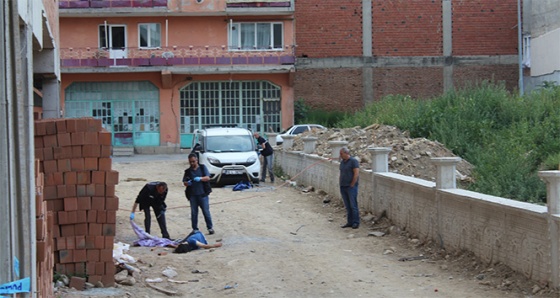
{"points": [[153, 195], [349, 178], [196, 180], [268, 157]]}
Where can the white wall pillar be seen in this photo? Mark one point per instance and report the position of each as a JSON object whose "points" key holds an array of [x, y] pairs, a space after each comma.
{"points": [[336, 146], [445, 177], [309, 144], [288, 142], [271, 138], [552, 179], [379, 159]]}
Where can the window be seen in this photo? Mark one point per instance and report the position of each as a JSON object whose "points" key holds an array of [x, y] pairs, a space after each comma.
{"points": [[527, 50], [256, 36], [149, 35]]}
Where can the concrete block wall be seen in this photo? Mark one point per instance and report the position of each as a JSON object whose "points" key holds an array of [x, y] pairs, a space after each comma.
{"points": [[45, 245], [523, 236], [79, 191]]}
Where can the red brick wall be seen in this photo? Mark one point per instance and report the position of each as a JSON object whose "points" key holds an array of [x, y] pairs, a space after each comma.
{"points": [[330, 89], [420, 83], [484, 27], [328, 28], [407, 28], [468, 75]]}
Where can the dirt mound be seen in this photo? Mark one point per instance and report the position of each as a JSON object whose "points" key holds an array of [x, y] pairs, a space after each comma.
{"points": [[410, 156]]}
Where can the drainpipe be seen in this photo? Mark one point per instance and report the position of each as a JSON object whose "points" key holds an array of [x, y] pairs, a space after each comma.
{"points": [[520, 48]]}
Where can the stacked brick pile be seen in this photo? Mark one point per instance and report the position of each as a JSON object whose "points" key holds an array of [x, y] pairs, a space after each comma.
{"points": [[79, 189], [45, 240]]}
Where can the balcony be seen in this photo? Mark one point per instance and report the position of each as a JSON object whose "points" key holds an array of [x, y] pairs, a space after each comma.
{"points": [[64, 4], [137, 59]]}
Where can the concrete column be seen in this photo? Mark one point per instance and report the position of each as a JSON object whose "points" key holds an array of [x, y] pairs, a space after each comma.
{"points": [[309, 144], [379, 159], [447, 27], [51, 98], [336, 146], [271, 138], [445, 171], [552, 179], [288, 142]]}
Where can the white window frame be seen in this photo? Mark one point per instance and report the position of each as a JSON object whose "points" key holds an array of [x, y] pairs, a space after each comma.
{"points": [[234, 36], [149, 37], [527, 50]]}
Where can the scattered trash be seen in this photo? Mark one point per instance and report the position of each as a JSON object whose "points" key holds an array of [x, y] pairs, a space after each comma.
{"points": [[169, 272], [376, 234], [154, 280], [166, 291], [308, 189], [178, 281], [227, 287], [198, 271], [163, 253], [119, 254], [412, 258], [295, 233]]}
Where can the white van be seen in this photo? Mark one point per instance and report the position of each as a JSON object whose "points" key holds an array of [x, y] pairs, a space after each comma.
{"points": [[229, 153]]}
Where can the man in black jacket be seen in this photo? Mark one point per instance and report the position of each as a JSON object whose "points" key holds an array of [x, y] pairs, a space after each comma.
{"points": [[153, 195], [268, 157]]}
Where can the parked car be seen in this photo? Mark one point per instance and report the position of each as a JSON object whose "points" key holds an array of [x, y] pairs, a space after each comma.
{"points": [[297, 129], [230, 154]]}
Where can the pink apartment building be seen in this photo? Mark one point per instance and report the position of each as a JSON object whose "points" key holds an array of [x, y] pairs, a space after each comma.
{"points": [[155, 70]]}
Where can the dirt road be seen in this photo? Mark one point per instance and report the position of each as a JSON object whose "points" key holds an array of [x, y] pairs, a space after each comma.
{"points": [[281, 242]]}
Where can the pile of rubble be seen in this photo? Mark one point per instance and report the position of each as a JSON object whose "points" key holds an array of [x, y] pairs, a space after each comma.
{"points": [[410, 156]]}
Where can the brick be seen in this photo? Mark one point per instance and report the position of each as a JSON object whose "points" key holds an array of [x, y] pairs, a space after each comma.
{"points": [[92, 216], [78, 283], [76, 151], [84, 203], [104, 164], [61, 191], [72, 125], [71, 190], [109, 242], [80, 242], [106, 255], [90, 163], [91, 151], [111, 216], [83, 177], [77, 164], [98, 203], [91, 138], [100, 268], [40, 229], [90, 242], [49, 192], [61, 126], [97, 177], [108, 280], [81, 229], [72, 218], [63, 139], [38, 142], [105, 138], [39, 154], [101, 217], [80, 268], [70, 243], [93, 278], [110, 268], [110, 190], [99, 190], [108, 229], [70, 204], [81, 216], [51, 127], [112, 177], [78, 138], [106, 151], [50, 141], [49, 166], [56, 178], [64, 165], [58, 205], [90, 270], [70, 178], [83, 124], [41, 249], [60, 243], [62, 217], [66, 256], [40, 206], [99, 242], [95, 229], [48, 154], [90, 190], [112, 203], [93, 255], [40, 128], [67, 230], [94, 125], [81, 191], [80, 255]]}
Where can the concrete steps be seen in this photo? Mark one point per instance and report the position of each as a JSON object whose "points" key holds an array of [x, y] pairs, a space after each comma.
{"points": [[123, 151]]}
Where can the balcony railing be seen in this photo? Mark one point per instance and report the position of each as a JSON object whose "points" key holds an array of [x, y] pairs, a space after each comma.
{"points": [[174, 56], [63, 4]]}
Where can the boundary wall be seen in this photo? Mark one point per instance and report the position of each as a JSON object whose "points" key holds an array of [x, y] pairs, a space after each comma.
{"points": [[520, 235]]}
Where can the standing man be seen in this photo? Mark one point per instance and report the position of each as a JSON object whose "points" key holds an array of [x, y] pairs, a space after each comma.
{"points": [[153, 195], [268, 157], [349, 176], [196, 179]]}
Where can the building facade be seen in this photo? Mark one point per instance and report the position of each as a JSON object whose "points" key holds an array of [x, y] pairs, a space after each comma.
{"points": [[155, 70], [355, 52]]}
